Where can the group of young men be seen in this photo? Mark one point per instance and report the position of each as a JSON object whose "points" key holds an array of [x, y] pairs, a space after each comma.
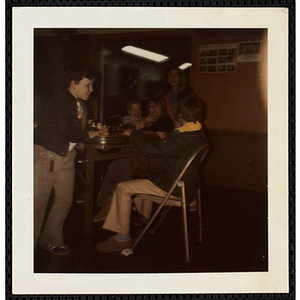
{"points": [[63, 128]]}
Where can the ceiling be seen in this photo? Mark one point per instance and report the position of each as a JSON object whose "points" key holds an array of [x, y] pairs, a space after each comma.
{"points": [[174, 43]]}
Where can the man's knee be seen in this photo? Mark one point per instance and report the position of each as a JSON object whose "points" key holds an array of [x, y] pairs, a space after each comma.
{"points": [[123, 185], [125, 188]]}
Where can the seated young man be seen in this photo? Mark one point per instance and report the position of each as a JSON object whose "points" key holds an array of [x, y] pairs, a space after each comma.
{"points": [[175, 149], [121, 169], [124, 169], [134, 117]]}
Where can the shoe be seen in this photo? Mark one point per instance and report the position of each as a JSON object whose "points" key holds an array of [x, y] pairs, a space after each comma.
{"points": [[100, 215], [81, 198], [113, 245], [63, 250], [193, 206]]}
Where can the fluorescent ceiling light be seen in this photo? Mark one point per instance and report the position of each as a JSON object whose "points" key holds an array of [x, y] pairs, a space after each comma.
{"points": [[185, 66], [145, 53]]}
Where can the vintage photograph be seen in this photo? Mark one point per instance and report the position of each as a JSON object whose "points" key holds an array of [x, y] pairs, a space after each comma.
{"points": [[134, 92], [150, 156]]}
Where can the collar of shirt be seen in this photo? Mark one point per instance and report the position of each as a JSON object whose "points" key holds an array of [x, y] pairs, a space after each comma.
{"points": [[190, 126]]}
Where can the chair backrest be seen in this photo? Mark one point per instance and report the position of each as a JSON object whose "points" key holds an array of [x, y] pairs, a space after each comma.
{"points": [[196, 160], [193, 165]]}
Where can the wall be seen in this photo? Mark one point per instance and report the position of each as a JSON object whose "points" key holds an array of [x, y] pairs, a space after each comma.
{"points": [[51, 55], [237, 160], [236, 102], [236, 113], [123, 77]]}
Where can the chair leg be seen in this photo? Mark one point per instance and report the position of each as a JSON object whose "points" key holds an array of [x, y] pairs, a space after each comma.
{"points": [[186, 237], [200, 216], [162, 217], [150, 222]]}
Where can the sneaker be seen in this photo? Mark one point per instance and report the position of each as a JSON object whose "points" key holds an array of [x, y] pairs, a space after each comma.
{"points": [[62, 250], [113, 245], [81, 198], [100, 215]]}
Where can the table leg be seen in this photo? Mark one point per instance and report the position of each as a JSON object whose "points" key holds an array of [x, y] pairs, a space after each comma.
{"points": [[92, 156], [88, 214]]}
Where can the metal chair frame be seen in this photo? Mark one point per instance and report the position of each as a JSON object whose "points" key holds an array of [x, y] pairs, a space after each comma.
{"points": [[193, 165]]}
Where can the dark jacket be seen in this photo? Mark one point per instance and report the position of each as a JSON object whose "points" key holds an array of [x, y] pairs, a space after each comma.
{"points": [[164, 124], [60, 124], [175, 150]]}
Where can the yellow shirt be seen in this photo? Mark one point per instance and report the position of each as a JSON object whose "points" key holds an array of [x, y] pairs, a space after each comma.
{"points": [[190, 126]]}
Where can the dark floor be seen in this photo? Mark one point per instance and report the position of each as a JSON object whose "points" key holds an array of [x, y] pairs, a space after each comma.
{"points": [[234, 240]]}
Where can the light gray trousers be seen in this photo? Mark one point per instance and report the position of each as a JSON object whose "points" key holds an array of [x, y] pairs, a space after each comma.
{"points": [[52, 171]]}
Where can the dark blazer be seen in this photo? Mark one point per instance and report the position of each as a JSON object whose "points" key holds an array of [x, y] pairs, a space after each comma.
{"points": [[60, 124], [175, 150], [164, 123]]}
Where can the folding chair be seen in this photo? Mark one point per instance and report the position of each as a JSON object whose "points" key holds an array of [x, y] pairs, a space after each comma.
{"points": [[193, 165]]}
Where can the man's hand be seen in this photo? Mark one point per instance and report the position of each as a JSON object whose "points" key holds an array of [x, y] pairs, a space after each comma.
{"points": [[142, 124], [103, 131], [128, 131], [151, 119], [161, 134], [93, 134]]}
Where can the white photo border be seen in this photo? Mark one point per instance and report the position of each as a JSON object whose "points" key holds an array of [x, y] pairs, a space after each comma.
{"points": [[25, 19]]}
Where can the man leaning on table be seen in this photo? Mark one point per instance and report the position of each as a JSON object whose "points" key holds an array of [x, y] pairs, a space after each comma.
{"points": [[175, 149], [61, 129]]}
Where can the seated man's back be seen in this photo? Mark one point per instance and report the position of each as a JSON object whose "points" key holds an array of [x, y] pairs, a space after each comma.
{"points": [[175, 149]]}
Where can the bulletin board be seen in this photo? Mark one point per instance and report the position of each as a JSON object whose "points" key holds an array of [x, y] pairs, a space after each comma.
{"points": [[223, 58], [231, 78]]}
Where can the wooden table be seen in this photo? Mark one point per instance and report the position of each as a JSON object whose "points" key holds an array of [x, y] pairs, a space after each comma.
{"points": [[101, 152]]}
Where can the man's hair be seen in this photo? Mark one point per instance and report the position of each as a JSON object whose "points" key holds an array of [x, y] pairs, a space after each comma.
{"points": [[172, 68], [134, 101], [191, 109], [158, 100], [77, 72]]}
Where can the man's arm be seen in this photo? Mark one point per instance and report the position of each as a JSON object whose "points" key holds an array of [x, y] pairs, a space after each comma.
{"points": [[57, 117], [154, 149]]}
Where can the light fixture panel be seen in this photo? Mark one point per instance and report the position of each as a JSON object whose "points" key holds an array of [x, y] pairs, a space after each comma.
{"points": [[145, 54], [185, 66]]}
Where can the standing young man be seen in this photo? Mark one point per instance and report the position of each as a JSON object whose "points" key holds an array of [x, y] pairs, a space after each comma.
{"points": [[176, 92], [62, 127]]}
